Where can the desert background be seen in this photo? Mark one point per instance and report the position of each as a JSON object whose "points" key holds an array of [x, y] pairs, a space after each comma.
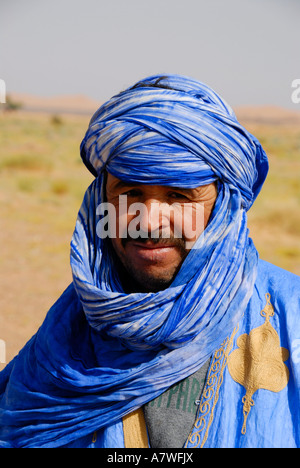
{"points": [[42, 183]]}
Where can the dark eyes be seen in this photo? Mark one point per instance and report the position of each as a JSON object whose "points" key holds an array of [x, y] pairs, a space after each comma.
{"points": [[178, 196], [135, 192], [132, 193]]}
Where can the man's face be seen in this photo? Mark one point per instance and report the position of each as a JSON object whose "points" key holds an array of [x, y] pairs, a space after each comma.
{"points": [[167, 221]]}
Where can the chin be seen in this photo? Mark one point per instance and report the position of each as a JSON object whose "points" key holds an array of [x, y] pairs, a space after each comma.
{"points": [[152, 283]]}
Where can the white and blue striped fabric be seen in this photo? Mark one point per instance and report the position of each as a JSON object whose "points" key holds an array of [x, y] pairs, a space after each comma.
{"points": [[186, 136], [138, 345]]}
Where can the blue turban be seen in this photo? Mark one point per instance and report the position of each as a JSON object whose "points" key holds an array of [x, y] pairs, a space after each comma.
{"points": [[183, 135], [102, 353]]}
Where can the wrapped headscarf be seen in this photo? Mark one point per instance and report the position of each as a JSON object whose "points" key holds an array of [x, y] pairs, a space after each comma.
{"points": [[102, 353]]}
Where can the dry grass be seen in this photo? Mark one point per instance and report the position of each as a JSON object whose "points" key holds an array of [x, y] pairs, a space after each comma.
{"points": [[42, 182], [274, 219]]}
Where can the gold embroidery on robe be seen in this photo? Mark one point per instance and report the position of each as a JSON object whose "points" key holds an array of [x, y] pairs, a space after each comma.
{"points": [[210, 394], [258, 363]]}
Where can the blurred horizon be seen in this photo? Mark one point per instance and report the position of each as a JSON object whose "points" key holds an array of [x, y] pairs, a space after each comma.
{"points": [[246, 50]]}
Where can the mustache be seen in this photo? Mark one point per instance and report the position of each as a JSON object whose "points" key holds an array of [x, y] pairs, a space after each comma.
{"points": [[159, 238]]}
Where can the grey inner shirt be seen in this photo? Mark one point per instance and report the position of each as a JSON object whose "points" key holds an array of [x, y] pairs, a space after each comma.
{"points": [[171, 416]]}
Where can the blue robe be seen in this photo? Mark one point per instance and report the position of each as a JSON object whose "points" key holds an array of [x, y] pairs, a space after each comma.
{"points": [[274, 419]]}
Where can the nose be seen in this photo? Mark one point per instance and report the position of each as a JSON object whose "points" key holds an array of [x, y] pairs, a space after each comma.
{"points": [[152, 216]]}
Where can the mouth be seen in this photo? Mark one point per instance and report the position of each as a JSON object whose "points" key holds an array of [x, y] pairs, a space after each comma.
{"points": [[151, 252], [150, 244]]}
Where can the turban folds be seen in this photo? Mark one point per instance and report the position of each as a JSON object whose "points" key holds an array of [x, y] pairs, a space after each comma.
{"points": [[186, 136]]}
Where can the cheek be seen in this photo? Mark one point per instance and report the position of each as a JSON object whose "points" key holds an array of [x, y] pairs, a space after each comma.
{"points": [[207, 213], [189, 220], [118, 248], [119, 219]]}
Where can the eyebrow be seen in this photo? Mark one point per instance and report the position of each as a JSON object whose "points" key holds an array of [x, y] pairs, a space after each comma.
{"points": [[122, 184]]}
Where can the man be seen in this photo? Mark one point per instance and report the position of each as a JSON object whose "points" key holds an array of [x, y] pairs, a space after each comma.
{"points": [[161, 302]]}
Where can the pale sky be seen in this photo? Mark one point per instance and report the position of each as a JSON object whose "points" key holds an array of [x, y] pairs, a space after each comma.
{"points": [[247, 50]]}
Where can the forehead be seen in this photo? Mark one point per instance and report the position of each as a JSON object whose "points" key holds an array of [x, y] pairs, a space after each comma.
{"points": [[114, 184]]}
